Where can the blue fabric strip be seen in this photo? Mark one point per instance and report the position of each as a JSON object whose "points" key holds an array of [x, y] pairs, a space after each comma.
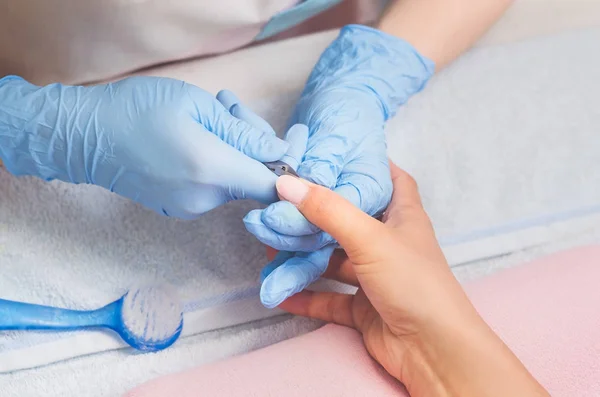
{"points": [[253, 292], [294, 16], [544, 220]]}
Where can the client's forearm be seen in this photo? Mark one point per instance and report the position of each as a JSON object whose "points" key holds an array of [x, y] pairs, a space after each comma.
{"points": [[441, 29], [463, 357]]}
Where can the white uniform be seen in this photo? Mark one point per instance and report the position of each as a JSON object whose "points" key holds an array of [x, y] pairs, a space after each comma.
{"points": [[78, 41]]}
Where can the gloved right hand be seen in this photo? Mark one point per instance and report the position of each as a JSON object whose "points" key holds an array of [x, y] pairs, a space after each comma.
{"points": [[166, 144]]}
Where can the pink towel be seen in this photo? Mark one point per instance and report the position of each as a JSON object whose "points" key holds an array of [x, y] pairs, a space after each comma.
{"points": [[547, 311]]}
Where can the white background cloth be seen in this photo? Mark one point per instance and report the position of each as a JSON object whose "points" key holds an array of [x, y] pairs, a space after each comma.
{"points": [[73, 42], [81, 41]]}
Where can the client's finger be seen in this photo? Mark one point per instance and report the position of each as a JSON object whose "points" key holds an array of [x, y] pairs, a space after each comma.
{"points": [[327, 306], [297, 137], [351, 227], [340, 269], [406, 202], [271, 252], [292, 275]]}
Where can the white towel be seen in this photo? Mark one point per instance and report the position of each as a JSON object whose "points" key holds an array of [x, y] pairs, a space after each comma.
{"points": [[81, 246], [112, 373], [491, 142]]}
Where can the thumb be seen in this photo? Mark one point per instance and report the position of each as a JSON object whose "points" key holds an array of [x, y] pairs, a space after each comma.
{"points": [[248, 132], [351, 227], [258, 144]]}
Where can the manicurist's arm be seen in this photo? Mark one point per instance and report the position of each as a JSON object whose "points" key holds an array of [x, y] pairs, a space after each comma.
{"points": [[166, 144]]}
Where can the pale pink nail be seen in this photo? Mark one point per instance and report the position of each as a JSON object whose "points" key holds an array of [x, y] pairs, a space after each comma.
{"points": [[291, 189]]}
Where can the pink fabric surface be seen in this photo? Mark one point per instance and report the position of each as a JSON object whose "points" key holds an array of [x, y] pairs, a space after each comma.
{"points": [[330, 361], [547, 311]]}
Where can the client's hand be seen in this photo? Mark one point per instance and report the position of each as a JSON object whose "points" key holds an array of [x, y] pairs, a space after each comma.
{"points": [[415, 319]]}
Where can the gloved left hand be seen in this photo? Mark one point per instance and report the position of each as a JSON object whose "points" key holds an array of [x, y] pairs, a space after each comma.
{"points": [[356, 86], [166, 144]]}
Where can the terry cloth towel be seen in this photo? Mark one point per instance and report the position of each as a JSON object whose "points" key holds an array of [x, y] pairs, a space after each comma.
{"points": [[504, 145], [86, 376], [546, 311]]}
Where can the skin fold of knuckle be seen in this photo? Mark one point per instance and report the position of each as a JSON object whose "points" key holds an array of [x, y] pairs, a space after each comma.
{"points": [[319, 202]]}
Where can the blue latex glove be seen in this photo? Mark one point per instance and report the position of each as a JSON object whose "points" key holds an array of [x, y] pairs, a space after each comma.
{"points": [[357, 85], [164, 143], [296, 136]]}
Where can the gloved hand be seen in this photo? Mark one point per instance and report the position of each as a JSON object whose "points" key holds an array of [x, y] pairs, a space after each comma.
{"points": [[356, 86], [296, 137], [166, 144]]}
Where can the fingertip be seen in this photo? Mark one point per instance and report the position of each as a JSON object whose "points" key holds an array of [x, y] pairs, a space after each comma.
{"points": [[264, 146], [291, 189], [252, 217], [295, 274], [272, 290], [403, 178], [280, 284], [243, 113], [267, 236], [297, 137], [254, 225], [235, 107], [405, 190], [298, 133], [400, 177], [394, 169], [338, 217], [248, 132], [268, 300], [276, 240], [283, 217], [227, 99], [279, 259], [266, 271], [274, 147]]}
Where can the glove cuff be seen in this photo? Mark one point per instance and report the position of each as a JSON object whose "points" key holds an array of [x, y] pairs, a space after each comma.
{"points": [[370, 60], [27, 120], [12, 122]]}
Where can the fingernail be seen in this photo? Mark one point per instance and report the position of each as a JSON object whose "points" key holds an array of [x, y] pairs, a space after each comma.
{"points": [[291, 189]]}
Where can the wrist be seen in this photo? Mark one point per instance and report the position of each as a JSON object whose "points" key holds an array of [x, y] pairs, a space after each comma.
{"points": [[432, 364], [30, 120], [462, 356], [13, 116], [429, 367], [368, 60]]}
